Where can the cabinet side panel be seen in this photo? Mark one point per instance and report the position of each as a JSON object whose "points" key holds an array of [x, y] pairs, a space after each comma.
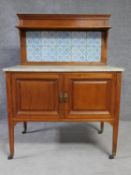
{"points": [[9, 95]]}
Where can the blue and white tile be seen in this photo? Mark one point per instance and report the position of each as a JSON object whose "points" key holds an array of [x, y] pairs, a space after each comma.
{"points": [[78, 38], [64, 53], [78, 53], [63, 46]]}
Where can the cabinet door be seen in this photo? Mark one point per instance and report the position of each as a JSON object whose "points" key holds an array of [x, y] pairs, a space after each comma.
{"points": [[89, 95], [36, 95]]}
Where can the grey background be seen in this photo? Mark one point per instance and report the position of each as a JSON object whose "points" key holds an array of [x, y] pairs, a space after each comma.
{"points": [[119, 39]]}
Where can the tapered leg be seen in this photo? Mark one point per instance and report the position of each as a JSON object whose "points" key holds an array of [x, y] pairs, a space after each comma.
{"points": [[116, 116], [114, 140], [25, 127], [11, 140], [101, 128]]}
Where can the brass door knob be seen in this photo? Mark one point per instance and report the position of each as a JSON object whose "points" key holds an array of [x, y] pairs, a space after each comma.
{"points": [[61, 97], [65, 97]]}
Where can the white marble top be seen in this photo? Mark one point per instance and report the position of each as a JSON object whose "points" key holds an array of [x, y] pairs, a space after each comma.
{"points": [[44, 68]]}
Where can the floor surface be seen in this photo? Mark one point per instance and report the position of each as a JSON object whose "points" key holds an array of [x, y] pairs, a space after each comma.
{"points": [[65, 149]]}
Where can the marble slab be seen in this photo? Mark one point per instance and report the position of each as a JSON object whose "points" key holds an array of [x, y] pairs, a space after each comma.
{"points": [[25, 68]]}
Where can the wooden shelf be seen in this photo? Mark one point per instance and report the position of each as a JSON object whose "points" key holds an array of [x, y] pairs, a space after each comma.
{"points": [[64, 22]]}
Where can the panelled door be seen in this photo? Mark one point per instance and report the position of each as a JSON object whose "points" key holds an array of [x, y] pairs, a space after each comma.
{"points": [[89, 95], [51, 96], [36, 95]]}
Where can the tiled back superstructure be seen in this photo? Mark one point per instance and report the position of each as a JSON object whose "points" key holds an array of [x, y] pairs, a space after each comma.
{"points": [[63, 46]]}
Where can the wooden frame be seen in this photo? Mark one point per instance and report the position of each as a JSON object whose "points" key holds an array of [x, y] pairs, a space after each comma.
{"points": [[101, 89], [111, 118], [29, 22]]}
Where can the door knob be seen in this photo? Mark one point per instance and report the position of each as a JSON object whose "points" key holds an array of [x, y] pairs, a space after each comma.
{"points": [[65, 97], [61, 97]]}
